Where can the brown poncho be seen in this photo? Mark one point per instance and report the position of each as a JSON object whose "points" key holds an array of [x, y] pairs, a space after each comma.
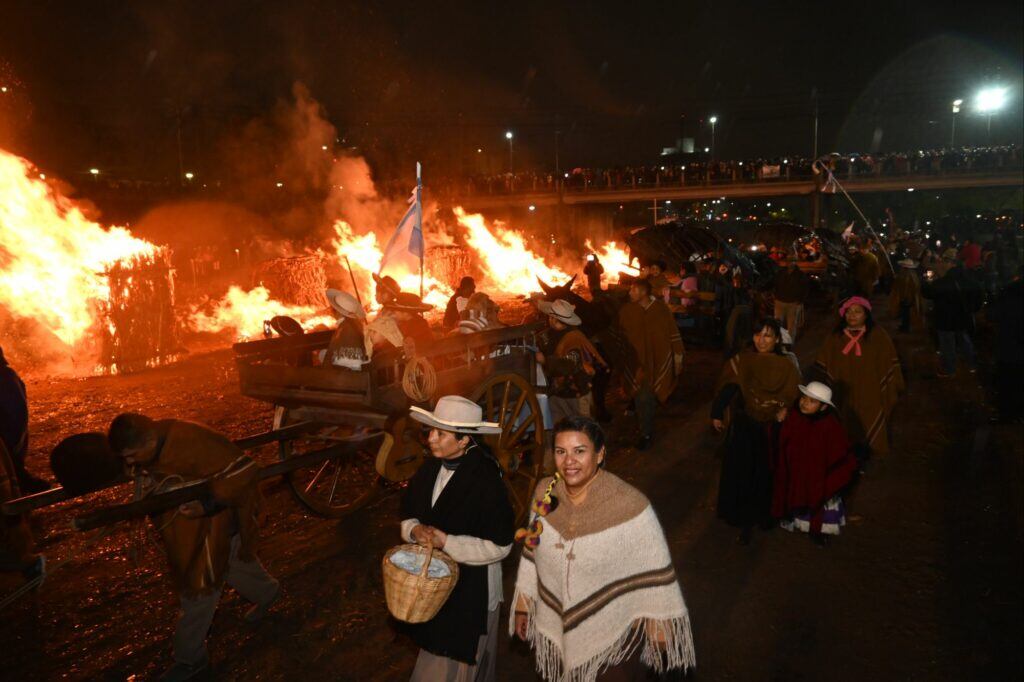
{"points": [[906, 288], [768, 382], [654, 351], [866, 386], [198, 548]]}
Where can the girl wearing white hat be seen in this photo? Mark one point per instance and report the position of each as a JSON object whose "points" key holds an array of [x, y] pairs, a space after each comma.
{"points": [[815, 465]]}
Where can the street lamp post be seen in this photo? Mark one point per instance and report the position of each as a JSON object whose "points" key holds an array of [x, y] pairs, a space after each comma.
{"points": [[713, 120], [952, 134], [508, 136]]}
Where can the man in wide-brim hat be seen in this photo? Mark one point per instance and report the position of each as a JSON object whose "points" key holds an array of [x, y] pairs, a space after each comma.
{"points": [[458, 502], [387, 288], [347, 346], [407, 311], [906, 294], [569, 359]]}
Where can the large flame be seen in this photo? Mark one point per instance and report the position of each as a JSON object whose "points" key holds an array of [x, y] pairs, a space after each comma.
{"points": [[245, 312], [508, 264], [52, 258], [364, 257], [615, 259]]}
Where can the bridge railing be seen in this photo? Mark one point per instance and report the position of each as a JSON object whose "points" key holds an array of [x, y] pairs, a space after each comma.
{"points": [[731, 175]]}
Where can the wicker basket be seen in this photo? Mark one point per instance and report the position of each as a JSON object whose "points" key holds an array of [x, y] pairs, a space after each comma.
{"points": [[417, 598]]}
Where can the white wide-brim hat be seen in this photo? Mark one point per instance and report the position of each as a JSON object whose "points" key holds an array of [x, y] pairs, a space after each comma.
{"points": [[907, 263], [562, 310], [819, 392], [457, 414], [345, 304]]}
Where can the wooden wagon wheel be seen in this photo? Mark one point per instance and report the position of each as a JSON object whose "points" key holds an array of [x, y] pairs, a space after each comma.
{"points": [[337, 487], [511, 401]]}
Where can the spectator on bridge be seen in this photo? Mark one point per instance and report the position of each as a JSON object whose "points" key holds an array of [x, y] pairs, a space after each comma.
{"points": [[791, 290], [859, 361]]}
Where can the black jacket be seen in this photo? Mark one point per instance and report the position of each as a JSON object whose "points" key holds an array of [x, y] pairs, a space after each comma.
{"points": [[473, 503], [956, 299]]}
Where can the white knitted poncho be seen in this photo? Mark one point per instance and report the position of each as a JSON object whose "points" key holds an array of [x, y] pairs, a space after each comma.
{"points": [[601, 585]]}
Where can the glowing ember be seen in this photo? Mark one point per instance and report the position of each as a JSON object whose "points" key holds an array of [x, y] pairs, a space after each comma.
{"points": [[245, 312], [52, 258], [509, 266], [615, 260]]}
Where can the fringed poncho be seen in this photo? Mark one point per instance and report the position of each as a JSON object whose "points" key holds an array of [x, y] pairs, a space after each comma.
{"points": [[601, 586]]}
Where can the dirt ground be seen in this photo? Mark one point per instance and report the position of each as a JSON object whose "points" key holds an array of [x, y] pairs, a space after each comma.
{"points": [[925, 582]]}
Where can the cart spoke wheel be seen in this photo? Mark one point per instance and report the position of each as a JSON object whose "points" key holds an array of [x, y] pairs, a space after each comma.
{"points": [[335, 487], [510, 400]]}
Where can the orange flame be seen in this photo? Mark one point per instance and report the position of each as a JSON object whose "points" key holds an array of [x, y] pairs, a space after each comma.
{"points": [[52, 257], [615, 260], [245, 311], [508, 264]]}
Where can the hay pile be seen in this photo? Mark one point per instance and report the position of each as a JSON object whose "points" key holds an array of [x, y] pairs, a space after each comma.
{"points": [[449, 264], [297, 281], [139, 328]]}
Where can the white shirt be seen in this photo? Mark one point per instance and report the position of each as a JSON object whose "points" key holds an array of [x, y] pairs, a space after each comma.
{"points": [[466, 549]]}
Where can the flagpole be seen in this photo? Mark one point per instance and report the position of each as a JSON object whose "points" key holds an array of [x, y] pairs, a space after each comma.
{"points": [[419, 219]]}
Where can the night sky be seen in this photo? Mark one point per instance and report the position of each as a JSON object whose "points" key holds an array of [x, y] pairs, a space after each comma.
{"points": [[105, 83]]}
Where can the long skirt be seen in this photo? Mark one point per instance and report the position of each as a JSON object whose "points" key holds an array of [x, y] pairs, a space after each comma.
{"points": [[433, 668], [745, 486]]}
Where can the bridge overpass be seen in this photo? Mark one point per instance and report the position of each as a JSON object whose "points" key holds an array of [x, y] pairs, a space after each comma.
{"points": [[739, 189]]}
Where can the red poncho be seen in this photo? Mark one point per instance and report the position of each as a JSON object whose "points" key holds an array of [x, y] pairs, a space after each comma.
{"points": [[815, 463]]}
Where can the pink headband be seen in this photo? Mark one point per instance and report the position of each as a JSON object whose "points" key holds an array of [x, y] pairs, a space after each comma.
{"points": [[854, 300]]}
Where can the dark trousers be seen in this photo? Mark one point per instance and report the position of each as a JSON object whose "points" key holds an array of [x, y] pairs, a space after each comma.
{"points": [[904, 317], [646, 404]]}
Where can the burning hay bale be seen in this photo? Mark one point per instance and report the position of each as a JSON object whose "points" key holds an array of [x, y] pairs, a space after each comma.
{"points": [[139, 328], [296, 281], [449, 264]]}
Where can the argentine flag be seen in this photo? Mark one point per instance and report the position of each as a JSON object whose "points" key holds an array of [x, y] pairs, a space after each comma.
{"points": [[405, 248]]}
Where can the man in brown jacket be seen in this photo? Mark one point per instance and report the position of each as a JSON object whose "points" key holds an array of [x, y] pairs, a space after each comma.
{"points": [[209, 541], [654, 354]]}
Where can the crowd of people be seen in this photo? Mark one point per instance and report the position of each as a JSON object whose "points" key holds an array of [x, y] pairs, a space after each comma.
{"points": [[596, 595], [702, 170]]}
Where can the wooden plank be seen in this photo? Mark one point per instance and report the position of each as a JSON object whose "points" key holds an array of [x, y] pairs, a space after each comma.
{"points": [[283, 345], [58, 494], [195, 490]]}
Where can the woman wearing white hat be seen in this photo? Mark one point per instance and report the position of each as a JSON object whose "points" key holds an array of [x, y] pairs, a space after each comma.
{"points": [[346, 348], [457, 501], [815, 465]]}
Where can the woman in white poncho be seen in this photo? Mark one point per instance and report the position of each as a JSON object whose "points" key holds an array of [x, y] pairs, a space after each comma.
{"points": [[596, 595]]}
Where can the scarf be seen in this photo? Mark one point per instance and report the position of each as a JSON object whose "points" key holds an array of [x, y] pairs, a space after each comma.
{"points": [[854, 343], [600, 586]]}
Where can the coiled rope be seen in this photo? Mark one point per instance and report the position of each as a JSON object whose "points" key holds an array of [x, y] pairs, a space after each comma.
{"points": [[419, 380]]}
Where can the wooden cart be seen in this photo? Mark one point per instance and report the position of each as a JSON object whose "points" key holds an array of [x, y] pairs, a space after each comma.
{"points": [[495, 368]]}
